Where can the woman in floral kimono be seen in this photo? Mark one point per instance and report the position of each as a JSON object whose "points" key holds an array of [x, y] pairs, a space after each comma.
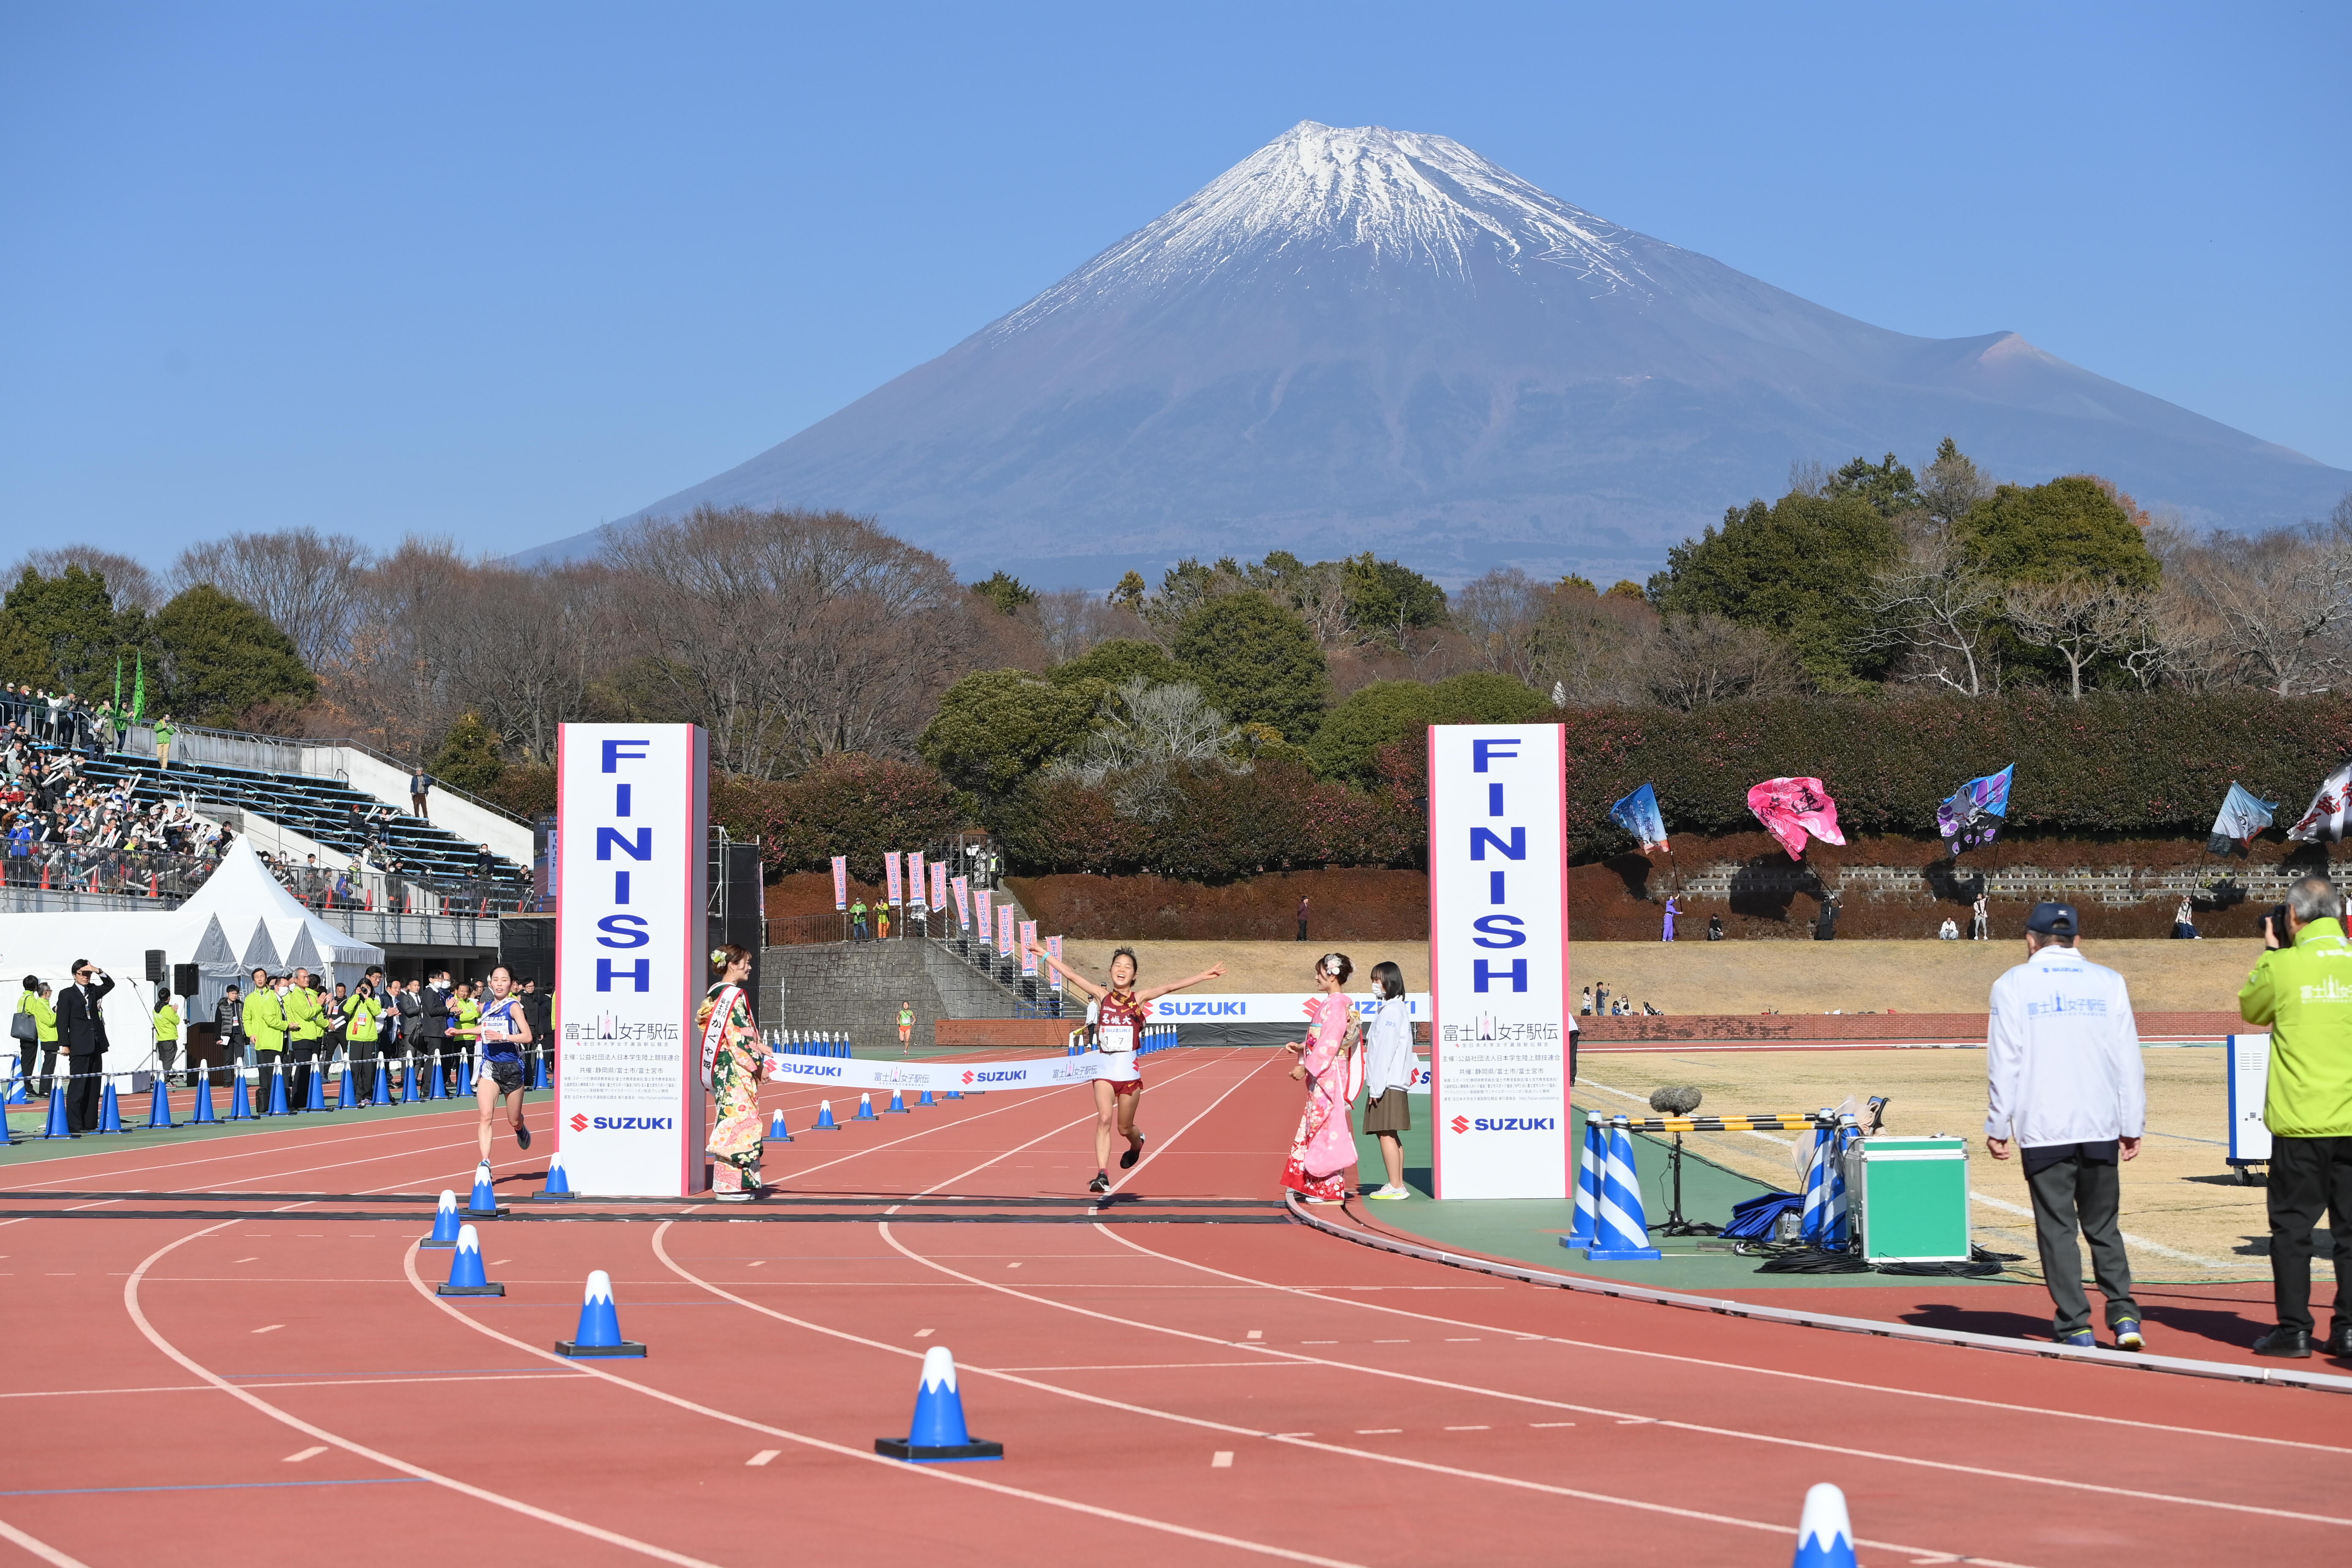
{"points": [[1332, 1066], [734, 1060]]}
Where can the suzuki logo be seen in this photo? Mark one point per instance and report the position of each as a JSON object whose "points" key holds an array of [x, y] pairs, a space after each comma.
{"points": [[1461, 1124], [966, 1078], [580, 1124]]}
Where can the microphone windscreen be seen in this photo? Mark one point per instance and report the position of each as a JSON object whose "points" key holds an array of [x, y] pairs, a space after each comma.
{"points": [[1674, 1102]]}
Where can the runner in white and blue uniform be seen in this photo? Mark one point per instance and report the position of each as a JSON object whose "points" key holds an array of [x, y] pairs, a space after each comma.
{"points": [[501, 1032]]}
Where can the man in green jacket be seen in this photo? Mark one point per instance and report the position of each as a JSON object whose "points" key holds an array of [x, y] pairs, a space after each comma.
{"points": [[2302, 992], [306, 1032], [265, 1026]]}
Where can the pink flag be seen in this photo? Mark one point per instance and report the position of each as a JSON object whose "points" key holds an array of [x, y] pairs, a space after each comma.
{"points": [[1791, 808], [1028, 947], [841, 881], [914, 878], [982, 899], [939, 886], [962, 886], [890, 878], [1004, 931]]}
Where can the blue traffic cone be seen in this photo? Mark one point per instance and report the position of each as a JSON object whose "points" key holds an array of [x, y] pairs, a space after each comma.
{"points": [[317, 1099], [927, 1099], [825, 1121], [445, 1225], [953, 1094], [240, 1098], [865, 1109], [159, 1104], [379, 1091], [599, 1333], [203, 1114], [1588, 1185], [109, 1110], [347, 1096], [412, 1088], [939, 1433], [432, 1078], [466, 1277], [277, 1092], [898, 1106], [484, 1203], [1825, 1535], [559, 1184], [539, 1071], [58, 1126], [16, 1084], [1620, 1232], [776, 1131]]}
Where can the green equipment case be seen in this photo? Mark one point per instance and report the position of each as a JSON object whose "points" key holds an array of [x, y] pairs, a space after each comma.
{"points": [[1910, 1197]]}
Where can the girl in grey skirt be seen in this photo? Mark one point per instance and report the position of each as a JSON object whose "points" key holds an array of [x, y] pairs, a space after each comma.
{"points": [[1388, 1076]]}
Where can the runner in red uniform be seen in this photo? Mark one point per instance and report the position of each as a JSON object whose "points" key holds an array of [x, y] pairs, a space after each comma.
{"points": [[1120, 1018]]}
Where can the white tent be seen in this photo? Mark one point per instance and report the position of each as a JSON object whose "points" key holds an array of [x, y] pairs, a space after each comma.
{"points": [[238, 920]]}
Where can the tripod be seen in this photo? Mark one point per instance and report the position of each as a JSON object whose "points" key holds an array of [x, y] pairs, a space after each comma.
{"points": [[1674, 1223]]}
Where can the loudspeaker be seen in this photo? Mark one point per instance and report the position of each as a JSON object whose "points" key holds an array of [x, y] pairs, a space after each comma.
{"points": [[155, 963], [185, 978]]}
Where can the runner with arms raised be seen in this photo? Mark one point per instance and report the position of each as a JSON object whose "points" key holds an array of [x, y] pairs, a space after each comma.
{"points": [[1118, 1030]]}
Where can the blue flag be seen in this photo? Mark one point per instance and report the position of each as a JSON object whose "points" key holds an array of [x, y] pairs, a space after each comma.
{"points": [[2242, 814], [1638, 815], [1973, 816]]}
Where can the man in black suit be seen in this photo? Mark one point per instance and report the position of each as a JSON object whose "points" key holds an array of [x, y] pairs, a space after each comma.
{"points": [[81, 1030]]}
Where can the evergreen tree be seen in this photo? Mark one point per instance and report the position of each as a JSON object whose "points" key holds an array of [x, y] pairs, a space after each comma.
{"points": [[2069, 528], [469, 757], [1129, 593], [1382, 596], [1795, 569], [22, 658], [1007, 592], [996, 728], [1887, 486], [72, 618], [1120, 660], [1257, 662], [218, 657]]}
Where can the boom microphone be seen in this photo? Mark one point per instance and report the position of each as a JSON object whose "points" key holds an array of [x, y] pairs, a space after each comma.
{"points": [[1674, 1102]]}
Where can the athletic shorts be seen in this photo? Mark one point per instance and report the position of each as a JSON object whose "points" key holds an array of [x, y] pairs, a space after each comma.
{"points": [[1128, 1086], [504, 1071]]}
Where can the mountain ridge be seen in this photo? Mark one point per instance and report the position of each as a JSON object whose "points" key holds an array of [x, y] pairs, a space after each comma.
{"points": [[1361, 338]]}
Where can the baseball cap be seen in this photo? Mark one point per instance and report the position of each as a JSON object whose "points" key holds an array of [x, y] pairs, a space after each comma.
{"points": [[2054, 920]]}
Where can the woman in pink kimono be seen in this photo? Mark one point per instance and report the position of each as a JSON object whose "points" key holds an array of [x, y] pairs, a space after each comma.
{"points": [[734, 1060], [1332, 1066]]}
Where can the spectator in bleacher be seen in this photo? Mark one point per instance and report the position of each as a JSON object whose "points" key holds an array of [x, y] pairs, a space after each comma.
{"points": [[306, 1027], [484, 862], [419, 782], [164, 735]]}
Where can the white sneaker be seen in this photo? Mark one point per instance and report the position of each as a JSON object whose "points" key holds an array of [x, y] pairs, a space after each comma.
{"points": [[1391, 1192]]}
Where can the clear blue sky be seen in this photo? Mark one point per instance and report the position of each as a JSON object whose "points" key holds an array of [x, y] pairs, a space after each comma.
{"points": [[504, 270]]}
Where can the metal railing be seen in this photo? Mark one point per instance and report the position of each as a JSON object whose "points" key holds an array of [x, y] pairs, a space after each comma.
{"points": [[125, 873], [279, 754]]}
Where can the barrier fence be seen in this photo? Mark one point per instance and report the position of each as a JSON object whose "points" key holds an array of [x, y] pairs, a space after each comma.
{"points": [[1156, 1037]]}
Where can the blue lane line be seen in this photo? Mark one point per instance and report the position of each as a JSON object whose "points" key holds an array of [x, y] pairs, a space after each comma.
{"points": [[222, 1486]]}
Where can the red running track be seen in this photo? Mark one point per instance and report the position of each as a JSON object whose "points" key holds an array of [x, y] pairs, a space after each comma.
{"points": [[287, 1389]]}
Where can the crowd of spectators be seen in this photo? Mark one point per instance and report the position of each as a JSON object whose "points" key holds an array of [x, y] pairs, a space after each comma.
{"points": [[58, 825]]}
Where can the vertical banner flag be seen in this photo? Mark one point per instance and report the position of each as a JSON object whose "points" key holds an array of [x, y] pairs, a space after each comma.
{"points": [[1791, 808], [1028, 947], [1498, 961], [2244, 815], [1004, 931], [939, 886], [1973, 817], [964, 904], [892, 888], [1053, 946], [985, 917], [2326, 818], [915, 879], [840, 882], [633, 824], [1638, 815]]}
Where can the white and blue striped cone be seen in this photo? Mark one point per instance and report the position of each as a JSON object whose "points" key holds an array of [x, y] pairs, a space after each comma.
{"points": [[15, 1083], [484, 1201], [559, 1183], [465, 1277], [777, 1132], [865, 1109], [599, 1333], [1581, 1232], [938, 1433], [1621, 1234], [445, 1225], [1819, 1173], [1825, 1535]]}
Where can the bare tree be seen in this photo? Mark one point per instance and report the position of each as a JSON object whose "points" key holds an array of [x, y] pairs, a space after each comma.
{"points": [[305, 582], [1594, 650], [1072, 621], [1500, 614], [129, 583], [1143, 732], [1934, 607], [1698, 659], [2285, 598], [2079, 619]]}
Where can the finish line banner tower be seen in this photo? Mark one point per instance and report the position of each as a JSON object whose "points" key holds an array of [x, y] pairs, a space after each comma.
{"points": [[1498, 961], [632, 807]]}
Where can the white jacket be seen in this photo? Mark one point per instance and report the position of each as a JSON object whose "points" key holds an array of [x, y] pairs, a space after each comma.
{"points": [[2062, 1062], [1388, 1048]]}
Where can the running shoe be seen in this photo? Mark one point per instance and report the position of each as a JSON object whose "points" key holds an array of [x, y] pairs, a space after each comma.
{"points": [[2085, 1340], [1134, 1152], [1101, 1184], [2127, 1335], [522, 1137], [1391, 1193], [732, 1197]]}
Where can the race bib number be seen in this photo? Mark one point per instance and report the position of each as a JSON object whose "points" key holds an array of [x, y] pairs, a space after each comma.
{"points": [[492, 1031], [1116, 1039]]}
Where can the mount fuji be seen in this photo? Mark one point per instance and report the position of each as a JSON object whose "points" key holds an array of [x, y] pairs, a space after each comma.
{"points": [[1370, 339]]}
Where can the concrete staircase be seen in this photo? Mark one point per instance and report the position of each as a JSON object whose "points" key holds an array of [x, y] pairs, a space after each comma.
{"points": [[857, 988]]}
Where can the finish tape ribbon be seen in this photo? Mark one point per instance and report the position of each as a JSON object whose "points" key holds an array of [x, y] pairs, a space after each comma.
{"points": [[964, 1078]]}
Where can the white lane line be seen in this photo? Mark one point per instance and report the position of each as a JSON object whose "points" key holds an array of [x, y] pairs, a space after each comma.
{"points": [[1153, 1151], [763, 1456], [2005, 1407], [269, 1329], [928, 1473], [1302, 1440], [311, 1453], [596, 1533], [922, 1333], [1223, 1460], [1736, 1433], [38, 1548]]}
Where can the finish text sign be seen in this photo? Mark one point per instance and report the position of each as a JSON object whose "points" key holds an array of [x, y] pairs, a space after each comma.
{"points": [[1498, 961], [630, 927]]}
